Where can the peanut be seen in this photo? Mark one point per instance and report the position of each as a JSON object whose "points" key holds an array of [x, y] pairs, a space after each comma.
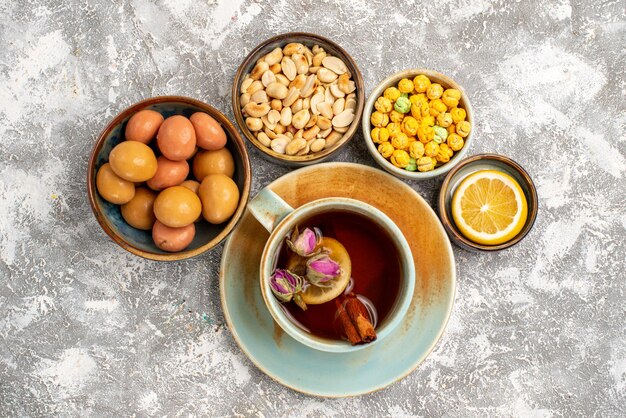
{"points": [[268, 78], [289, 68], [279, 144], [259, 69], [300, 119], [311, 132], [254, 124], [343, 119], [293, 48], [318, 145], [277, 90], [326, 76], [264, 139], [334, 64], [294, 146], [274, 57], [332, 139], [256, 110]]}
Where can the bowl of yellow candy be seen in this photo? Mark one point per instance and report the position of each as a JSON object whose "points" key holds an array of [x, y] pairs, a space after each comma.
{"points": [[418, 124]]}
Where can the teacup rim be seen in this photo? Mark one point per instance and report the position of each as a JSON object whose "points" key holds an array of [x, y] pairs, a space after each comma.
{"points": [[407, 287]]}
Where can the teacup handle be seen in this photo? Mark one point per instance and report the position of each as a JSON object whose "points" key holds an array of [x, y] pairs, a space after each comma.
{"points": [[269, 209]]}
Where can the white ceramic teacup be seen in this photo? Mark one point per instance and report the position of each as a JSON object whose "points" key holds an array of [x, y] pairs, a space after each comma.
{"points": [[279, 219]]}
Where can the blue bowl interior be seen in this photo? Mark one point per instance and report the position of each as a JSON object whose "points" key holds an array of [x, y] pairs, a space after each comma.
{"points": [[205, 231]]}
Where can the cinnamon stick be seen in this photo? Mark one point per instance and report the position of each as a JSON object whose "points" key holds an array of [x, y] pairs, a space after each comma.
{"points": [[360, 318], [346, 324]]}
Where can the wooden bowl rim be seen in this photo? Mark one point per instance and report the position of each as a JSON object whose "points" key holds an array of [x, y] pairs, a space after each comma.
{"points": [[243, 199], [285, 38], [393, 79]]}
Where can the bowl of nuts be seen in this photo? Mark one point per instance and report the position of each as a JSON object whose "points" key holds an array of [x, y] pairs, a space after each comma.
{"points": [[298, 98], [418, 124]]}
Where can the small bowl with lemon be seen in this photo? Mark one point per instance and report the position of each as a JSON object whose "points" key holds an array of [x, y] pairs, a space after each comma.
{"points": [[487, 202]]}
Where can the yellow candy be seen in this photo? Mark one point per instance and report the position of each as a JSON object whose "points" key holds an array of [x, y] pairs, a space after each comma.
{"points": [[383, 134], [379, 119], [425, 164], [419, 99], [437, 107], [463, 128], [383, 104], [416, 149], [431, 149], [396, 116], [434, 91], [421, 83], [375, 135], [400, 158], [394, 129], [416, 111], [451, 97], [392, 93], [405, 86], [400, 141], [378, 136], [444, 119], [458, 114], [425, 134], [410, 125], [455, 142], [444, 154], [385, 149], [428, 121]]}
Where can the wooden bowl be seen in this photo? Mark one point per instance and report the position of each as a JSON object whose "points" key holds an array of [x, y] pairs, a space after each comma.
{"points": [[109, 215], [308, 39], [469, 166], [393, 80]]}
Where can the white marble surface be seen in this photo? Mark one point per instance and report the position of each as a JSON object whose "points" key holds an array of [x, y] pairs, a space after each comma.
{"points": [[86, 329]]}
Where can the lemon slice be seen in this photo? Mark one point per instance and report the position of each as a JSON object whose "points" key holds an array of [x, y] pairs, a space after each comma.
{"points": [[489, 207], [315, 295]]}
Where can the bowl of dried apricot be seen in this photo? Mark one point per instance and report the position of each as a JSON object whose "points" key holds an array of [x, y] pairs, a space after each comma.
{"points": [[418, 124], [168, 178]]}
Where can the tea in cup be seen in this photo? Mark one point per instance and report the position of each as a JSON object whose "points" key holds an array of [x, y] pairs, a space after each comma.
{"points": [[336, 274]]}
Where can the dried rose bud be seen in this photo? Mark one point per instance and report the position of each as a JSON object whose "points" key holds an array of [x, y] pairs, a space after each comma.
{"points": [[285, 284], [321, 269], [304, 244]]}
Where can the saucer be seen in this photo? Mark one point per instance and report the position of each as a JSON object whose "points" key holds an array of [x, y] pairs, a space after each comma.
{"points": [[320, 373]]}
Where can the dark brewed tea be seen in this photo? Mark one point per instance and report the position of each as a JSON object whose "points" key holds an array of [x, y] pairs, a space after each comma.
{"points": [[376, 271]]}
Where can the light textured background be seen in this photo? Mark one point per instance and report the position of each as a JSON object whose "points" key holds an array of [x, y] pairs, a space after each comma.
{"points": [[88, 329]]}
